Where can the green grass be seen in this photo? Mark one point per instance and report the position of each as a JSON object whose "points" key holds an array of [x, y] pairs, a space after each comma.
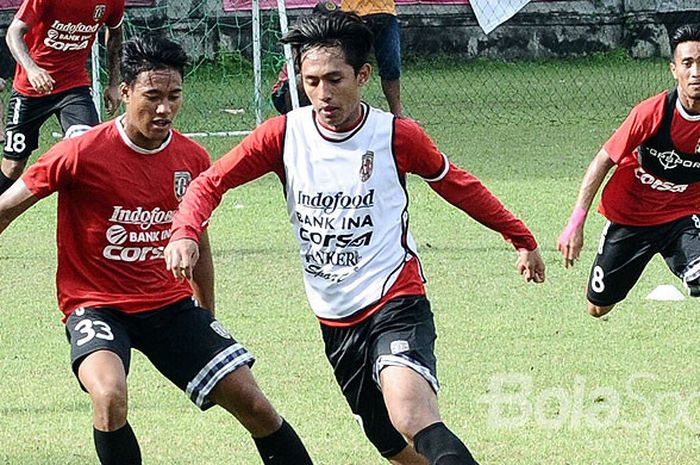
{"points": [[491, 326]]}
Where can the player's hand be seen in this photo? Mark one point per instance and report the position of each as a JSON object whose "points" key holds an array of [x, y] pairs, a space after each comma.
{"points": [[570, 240], [180, 257], [530, 265], [40, 79], [570, 247], [112, 99]]}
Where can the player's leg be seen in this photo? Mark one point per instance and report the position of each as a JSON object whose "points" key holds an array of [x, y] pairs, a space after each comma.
{"points": [[100, 354], [197, 354], [623, 253], [77, 112], [405, 365], [387, 47], [348, 351], [682, 253], [25, 115]]}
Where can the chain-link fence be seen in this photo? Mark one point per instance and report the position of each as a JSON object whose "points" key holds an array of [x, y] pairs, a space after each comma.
{"points": [[554, 62]]}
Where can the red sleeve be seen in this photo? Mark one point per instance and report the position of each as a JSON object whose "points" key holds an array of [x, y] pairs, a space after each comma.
{"points": [[258, 154], [52, 171], [642, 122], [416, 153], [117, 15], [30, 11]]}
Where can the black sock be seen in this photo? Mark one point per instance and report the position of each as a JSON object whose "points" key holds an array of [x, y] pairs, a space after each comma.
{"points": [[5, 182], [441, 447], [117, 447], [283, 447]]}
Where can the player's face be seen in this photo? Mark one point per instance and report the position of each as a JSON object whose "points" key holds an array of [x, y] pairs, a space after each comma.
{"points": [[333, 87], [152, 101], [686, 69]]}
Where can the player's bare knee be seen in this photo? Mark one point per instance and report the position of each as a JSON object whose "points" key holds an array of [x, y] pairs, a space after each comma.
{"points": [[408, 423], [240, 395], [109, 404], [597, 311], [13, 169]]}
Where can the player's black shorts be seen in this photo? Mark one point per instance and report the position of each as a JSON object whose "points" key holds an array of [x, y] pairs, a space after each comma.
{"points": [[26, 115], [400, 334], [183, 341], [624, 251]]}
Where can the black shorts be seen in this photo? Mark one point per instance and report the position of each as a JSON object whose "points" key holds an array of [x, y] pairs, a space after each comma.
{"points": [[26, 115], [400, 334], [183, 341], [624, 251]]}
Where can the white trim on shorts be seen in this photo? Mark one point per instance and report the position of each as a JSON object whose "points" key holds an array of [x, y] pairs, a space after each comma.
{"points": [[401, 360], [693, 271], [225, 362]]}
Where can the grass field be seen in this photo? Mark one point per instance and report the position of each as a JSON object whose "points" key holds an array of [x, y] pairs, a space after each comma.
{"points": [[527, 377]]}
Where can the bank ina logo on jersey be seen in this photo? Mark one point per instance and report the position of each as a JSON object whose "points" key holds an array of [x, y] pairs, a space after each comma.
{"points": [[99, 12], [366, 166], [182, 180]]}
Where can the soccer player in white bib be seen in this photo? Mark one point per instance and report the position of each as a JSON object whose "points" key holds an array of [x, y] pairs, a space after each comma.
{"points": [[652, 199], [118, 186], [343, 165]]}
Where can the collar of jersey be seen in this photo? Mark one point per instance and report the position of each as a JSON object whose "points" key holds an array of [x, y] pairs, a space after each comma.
{"points": [[334, 136], [684, 113], [136, 148]]}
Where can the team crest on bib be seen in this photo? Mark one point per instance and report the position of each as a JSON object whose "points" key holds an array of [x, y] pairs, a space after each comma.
{"points": [[182, 180], [99, 12], [367, 166], [697, 147]]}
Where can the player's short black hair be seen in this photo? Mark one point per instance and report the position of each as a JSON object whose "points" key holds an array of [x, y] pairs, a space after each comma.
{"points": [[339, 29], [685, 33], [147, 53]]}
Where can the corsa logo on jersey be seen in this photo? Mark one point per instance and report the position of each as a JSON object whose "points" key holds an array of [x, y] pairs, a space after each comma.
{"points": [[657, 184]]}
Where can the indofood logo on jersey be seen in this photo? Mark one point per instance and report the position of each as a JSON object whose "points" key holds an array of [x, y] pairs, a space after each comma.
{"points": [[142, 217], [670, 160], [337, 201], [68, 36]]}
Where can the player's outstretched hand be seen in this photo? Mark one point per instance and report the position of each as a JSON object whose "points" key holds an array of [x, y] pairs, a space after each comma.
{"points": [[571, 238], [40, 79], [180, 257], [112, 100], [530, 265]]}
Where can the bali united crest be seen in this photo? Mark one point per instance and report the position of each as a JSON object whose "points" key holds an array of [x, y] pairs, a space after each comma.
{"points": [[99, 12], [367, 166], [182, 180]]}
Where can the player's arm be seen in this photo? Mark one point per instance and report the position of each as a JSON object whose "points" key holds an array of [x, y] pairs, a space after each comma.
{"points": [[203, 275], [259, 153], [113, 39], [416, 153], [38, 77], [571, 238], [15, 201]]}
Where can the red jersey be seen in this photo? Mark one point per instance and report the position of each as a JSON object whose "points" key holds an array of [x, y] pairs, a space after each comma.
{"points": [[60, 37], [115, 207], [263, 152], [635, 197]]}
